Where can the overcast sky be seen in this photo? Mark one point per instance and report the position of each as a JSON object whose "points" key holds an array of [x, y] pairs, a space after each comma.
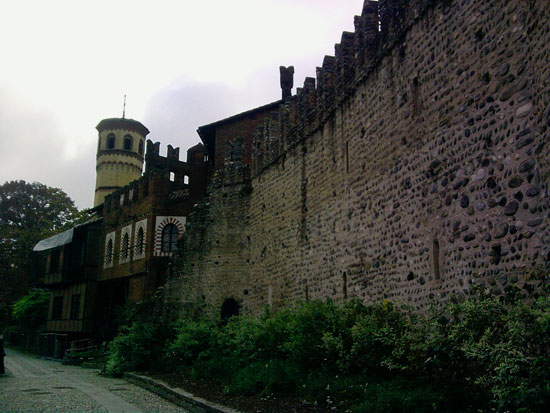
{"points": [[65, 65]]}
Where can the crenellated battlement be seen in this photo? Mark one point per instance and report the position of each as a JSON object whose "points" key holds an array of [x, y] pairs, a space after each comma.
{"points": [[380, 27], [165, 176]]}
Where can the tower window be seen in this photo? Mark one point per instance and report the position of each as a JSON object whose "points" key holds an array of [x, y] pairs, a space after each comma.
{"points": [[169, 238], [140, 147], [172, 176], [111, 141], [186, 180], [128, 141], [140, 242]]}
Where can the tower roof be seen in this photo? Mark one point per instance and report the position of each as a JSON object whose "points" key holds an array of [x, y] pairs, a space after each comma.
{"points": [[122, 123]]}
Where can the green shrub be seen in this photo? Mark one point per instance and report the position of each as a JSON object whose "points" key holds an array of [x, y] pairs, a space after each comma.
{"points": [[483, 353], [192, 338]]}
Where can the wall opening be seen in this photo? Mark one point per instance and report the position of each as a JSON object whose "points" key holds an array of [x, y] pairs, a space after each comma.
{"points": [[230, 308], [172, 176], [55, 259], [169, 238], [186, 180], [345, 285], [140, 242], [128, 143], [347, 156], [437, 274], [57, 308], [111, 141], [125, 246], [75, 307], [109, 252]]}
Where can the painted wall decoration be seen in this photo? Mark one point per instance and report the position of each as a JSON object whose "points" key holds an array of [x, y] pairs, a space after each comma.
{"points": [[167, 231]]}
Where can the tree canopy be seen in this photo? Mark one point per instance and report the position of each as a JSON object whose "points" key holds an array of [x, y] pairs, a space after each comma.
{"points": [[29, 212]]}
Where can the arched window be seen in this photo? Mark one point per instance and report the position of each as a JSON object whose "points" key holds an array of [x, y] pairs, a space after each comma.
{"points": [[140, 242], [109, 252], [140, 148], [111, 141], [128, 141], [125, 246], [169, 238]]}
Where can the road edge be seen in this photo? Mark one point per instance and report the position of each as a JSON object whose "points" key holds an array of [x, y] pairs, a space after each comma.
{"points": [[176, 395]]}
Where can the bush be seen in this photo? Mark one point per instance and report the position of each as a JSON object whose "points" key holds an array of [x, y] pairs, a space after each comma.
{"points": [[142, 339], [486, 352]]}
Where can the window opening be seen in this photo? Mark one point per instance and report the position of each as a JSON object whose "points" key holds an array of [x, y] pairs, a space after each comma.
{"points": [[109, 252], [437, 273], [172, 176], [186, 180], [75, 307], [111, 141], [345, 285], [57, 310], [128, 141], [125, 246], [140, 242], [55, 258], [169, 238], [347, 156], [230, 308]]}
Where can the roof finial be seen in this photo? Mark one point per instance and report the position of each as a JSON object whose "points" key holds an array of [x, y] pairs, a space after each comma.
{"points": [[124, 108]]}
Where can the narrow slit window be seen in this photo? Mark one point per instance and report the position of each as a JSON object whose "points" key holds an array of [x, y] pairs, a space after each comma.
{"points": [[345, 285], [437, 274], [172, 176]]}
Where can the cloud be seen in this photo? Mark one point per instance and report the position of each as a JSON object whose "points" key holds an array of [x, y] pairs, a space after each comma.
{"points": [[182, 64], [33, 147]]}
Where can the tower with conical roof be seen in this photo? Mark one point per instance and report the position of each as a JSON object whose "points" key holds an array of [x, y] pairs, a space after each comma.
{"points": [[120, 150]]}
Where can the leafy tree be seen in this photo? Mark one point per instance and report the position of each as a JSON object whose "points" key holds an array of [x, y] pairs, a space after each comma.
{"points": [[31, 310], [29, 212]]}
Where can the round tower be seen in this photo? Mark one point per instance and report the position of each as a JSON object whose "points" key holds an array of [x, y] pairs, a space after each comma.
{"points": [[120, 150]]}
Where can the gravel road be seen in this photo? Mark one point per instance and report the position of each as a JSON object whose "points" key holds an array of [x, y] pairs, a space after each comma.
{"points": [[36, 385]]}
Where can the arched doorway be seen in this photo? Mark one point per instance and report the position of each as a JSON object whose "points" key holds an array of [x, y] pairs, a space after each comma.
{"points": [[230, 308]]}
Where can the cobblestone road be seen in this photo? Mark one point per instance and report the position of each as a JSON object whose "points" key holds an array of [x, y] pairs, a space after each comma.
{"points": [[35, 385]]}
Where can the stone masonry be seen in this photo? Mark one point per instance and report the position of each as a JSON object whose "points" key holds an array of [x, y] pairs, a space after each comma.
{"points": [[414, 166]]}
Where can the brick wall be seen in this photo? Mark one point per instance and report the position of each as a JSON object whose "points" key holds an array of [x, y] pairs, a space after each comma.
{"points": [[426, 174]]}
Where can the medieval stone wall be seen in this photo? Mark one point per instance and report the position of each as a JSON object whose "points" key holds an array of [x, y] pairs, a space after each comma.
{"points": [[408, 177]]}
